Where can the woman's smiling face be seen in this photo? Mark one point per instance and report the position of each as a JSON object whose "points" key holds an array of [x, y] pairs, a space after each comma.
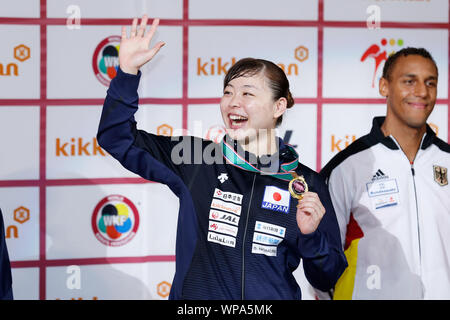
{"points": [[247, 106]]}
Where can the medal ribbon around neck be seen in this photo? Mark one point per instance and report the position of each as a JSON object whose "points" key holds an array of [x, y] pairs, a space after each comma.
{"points": [[297, 184], [287, 169]]}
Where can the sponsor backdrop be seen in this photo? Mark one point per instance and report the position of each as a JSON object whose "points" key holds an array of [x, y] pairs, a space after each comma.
{"points": [[78, 225]]}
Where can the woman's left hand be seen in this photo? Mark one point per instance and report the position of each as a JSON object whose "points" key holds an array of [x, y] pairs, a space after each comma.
{"points": [[309, 212]]}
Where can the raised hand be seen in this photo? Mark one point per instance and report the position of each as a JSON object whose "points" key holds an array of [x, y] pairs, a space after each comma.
{"points": [[134, 50], [309, 212]]}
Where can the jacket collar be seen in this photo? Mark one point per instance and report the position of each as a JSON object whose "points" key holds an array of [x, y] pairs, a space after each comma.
{"points": [[279, 165], [376, 135]]}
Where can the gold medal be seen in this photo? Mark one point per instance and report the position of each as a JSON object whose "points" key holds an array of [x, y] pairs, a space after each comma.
{"points": [[297, 186]]}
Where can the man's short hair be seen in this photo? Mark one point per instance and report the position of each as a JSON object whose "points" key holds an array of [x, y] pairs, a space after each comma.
{"points": [[390, 62]]}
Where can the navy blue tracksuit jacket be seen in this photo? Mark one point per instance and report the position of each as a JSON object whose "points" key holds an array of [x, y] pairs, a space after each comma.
{"points": [[5, 267], [237, 235]]}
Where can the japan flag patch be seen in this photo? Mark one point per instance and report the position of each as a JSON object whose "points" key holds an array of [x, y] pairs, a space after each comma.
{"points": [[276, 199]]}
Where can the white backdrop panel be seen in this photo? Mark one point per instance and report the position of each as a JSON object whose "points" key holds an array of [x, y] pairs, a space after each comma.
{"points": [[25, 286], [124, 281], [69, 221], [408, 11], [20, 8], [20, 208], [266, 9], [19, 138], [213, 49], [344, 49], [70, 63], [166, 9], [20, 62]]}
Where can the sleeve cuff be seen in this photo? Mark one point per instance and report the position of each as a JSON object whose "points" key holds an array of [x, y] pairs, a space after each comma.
{"points": [[124, 86], [312, 245]]}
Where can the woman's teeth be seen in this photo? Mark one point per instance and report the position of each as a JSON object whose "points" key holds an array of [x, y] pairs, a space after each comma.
{"points": [[236, 119]]}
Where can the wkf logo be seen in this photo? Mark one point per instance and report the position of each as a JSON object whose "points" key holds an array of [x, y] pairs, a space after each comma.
{"points": [[105, 60], [276, 199], [115, 220]]}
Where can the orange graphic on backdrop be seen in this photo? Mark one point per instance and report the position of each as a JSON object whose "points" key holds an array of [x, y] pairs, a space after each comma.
{"points": [[164, 130], [21, 215], [22, 52], [163, 289]]}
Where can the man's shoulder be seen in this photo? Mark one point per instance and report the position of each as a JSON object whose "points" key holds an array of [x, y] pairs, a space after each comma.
{"points": [[361, 144], [442, 145]]}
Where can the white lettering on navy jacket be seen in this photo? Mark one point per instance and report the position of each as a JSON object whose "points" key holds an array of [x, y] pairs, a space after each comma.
{"points": [[394, 217]]}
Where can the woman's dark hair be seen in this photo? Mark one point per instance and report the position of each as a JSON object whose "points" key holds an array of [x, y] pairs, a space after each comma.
{"points": [[278, 81]]}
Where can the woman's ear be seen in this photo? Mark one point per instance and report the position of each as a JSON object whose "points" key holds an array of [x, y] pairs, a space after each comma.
{"points": [[280, 107]]}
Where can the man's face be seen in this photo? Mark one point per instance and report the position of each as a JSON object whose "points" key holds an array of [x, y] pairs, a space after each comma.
{"points": [[411, 91]]}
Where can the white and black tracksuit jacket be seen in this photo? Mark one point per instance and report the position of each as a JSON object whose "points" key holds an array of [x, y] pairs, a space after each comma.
{"points": [[394, 217]]}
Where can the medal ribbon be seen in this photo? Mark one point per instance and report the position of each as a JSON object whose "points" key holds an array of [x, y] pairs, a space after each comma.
{"points": [[287, 169]]}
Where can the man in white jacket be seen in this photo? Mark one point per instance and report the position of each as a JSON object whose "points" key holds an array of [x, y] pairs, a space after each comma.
{"points": [[391, 194]]}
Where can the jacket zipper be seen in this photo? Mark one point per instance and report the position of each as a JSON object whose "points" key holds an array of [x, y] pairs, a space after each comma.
{"points": [[417, 218], [243, 240], [413, 173]]}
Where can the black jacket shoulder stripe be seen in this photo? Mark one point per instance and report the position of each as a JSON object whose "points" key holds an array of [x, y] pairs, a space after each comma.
{"points": [[357, 146], [444, 146]]}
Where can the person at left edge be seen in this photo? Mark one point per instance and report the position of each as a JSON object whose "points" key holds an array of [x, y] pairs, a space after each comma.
{"points": [[240, 234], [6, 292]]}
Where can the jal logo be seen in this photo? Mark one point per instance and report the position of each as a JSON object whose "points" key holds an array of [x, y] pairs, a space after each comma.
{"points": [[21, 53], [215, 215], [276, 199], [115, 220], [340, 143], [78, 147], [218, 66], [105, 60], [224, 217], [379, 54]]}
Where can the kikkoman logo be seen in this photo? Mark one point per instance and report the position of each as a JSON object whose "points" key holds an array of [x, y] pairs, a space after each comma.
{"points": [[219, 66], [21, 53], [340, 143], [21, 215], [105, 60], [379, 54], [115, 220], [78, 147]]}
